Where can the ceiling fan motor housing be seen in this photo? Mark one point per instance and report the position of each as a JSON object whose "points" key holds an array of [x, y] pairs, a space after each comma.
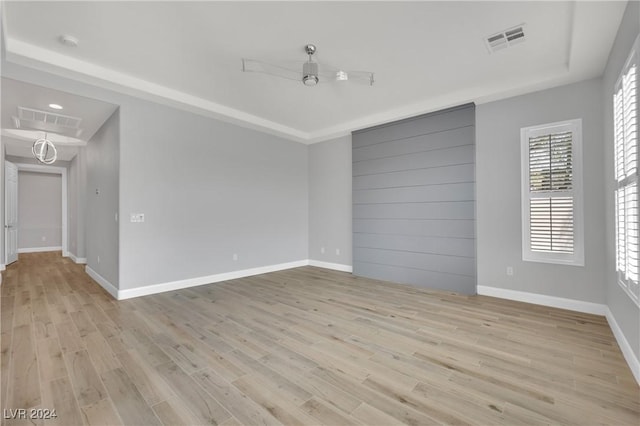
{"points": [[310, 73]]}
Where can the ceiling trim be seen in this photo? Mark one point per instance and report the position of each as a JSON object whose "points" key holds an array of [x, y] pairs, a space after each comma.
{"points": [[30, 55], [553, 78], [26, 54], [19, 134]]}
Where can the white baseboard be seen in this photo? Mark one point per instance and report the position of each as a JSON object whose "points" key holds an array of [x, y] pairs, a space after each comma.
{"points": [[210, 279], [328, 265], [79, 260], [2, 267], [111, 289], [625, 347], [38, 249], [542, 299], [573, 305]]}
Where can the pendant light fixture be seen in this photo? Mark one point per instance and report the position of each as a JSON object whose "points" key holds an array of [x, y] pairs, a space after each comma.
{"points": [[44, 150]]}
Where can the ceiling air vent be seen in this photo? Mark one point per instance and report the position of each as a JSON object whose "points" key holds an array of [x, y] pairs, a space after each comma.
{"points": [[505, 38], [33, 119]]}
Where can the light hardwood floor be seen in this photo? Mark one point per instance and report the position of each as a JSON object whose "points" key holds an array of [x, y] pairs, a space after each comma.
{"points": [[303, 346]]}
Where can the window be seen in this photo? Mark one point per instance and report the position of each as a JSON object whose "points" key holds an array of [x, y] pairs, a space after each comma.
{"points": [[552, 228], [625, 124]]}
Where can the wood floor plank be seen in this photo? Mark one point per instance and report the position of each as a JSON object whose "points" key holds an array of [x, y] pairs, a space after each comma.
{"points": [[43, 325], [144, 376], [113, 335], [100, 352], [6, 334], [87, 386], [127, 400], [274, 400], [83, 323], [305, 346], [239, 405], [369, 415], [70, 340], [22, 308], [150, 351], [326, 414], [50, 360], [173, 412], [24, 383], [206, 409], [101, 413], [312, 384], [61, 398]]}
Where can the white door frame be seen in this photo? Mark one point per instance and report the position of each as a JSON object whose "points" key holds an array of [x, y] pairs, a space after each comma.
{"points": [[38, 168], [8, 234]]}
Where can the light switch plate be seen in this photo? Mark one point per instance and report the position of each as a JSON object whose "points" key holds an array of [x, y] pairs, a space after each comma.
{"points": [[137, 217]]}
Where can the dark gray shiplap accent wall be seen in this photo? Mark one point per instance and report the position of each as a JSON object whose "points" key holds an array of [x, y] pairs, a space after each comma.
{"points": [[414, 201]]}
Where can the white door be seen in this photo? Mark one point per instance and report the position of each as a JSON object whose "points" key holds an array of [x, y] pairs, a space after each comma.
{"points": [[11, 212]]}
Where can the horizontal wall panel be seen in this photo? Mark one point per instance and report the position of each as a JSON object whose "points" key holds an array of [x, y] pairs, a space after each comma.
{"points": [[415, 243], [416, 194], [414, 201], [426, 261], [423, 227], [437, 175], [416, 277], [431, 123], [415, 144], [442, 157], [441, 211]]}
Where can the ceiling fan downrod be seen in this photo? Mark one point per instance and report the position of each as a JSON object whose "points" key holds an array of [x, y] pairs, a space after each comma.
{"points": [[310, 68]]}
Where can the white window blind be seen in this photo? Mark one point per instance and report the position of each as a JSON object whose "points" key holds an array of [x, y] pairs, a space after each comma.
{"points": [[625, 111], [551, 193]]}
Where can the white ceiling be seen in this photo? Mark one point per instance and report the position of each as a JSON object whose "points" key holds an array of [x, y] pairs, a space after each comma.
{"points": [[18, 142], [425, 55]]}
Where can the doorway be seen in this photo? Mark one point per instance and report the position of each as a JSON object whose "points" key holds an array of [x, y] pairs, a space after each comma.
{"points": [[13, 241]]}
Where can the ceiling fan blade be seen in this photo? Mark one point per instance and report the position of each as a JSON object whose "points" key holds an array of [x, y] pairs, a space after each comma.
{"points": [[332, 74], [326, 74], [364, 77], [252, 65]]}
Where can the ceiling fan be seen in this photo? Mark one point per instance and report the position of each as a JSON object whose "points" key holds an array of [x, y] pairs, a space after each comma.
{"points": [[312, 72]]}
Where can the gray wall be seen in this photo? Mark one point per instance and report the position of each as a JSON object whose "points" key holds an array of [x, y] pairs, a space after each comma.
{"points": [[103, 156], [626, 313], [2, 242], [208, 190], [72, 203], [498, 184], [77, 196], [330, 201], [414, 201], [39, 210]]}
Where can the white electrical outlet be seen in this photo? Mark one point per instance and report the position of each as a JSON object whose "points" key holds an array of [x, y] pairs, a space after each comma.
{"points": [[510, 270], [322, 250], [235, 256], [44, 238], [338, 252], [98, 259]]}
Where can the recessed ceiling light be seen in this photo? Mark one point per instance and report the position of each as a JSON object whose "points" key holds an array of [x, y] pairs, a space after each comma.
{"points": [[69, 40], [55, 106]]}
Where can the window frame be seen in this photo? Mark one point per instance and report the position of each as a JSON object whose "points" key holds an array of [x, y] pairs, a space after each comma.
{"points": [[577, 257], [634, 55]]}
